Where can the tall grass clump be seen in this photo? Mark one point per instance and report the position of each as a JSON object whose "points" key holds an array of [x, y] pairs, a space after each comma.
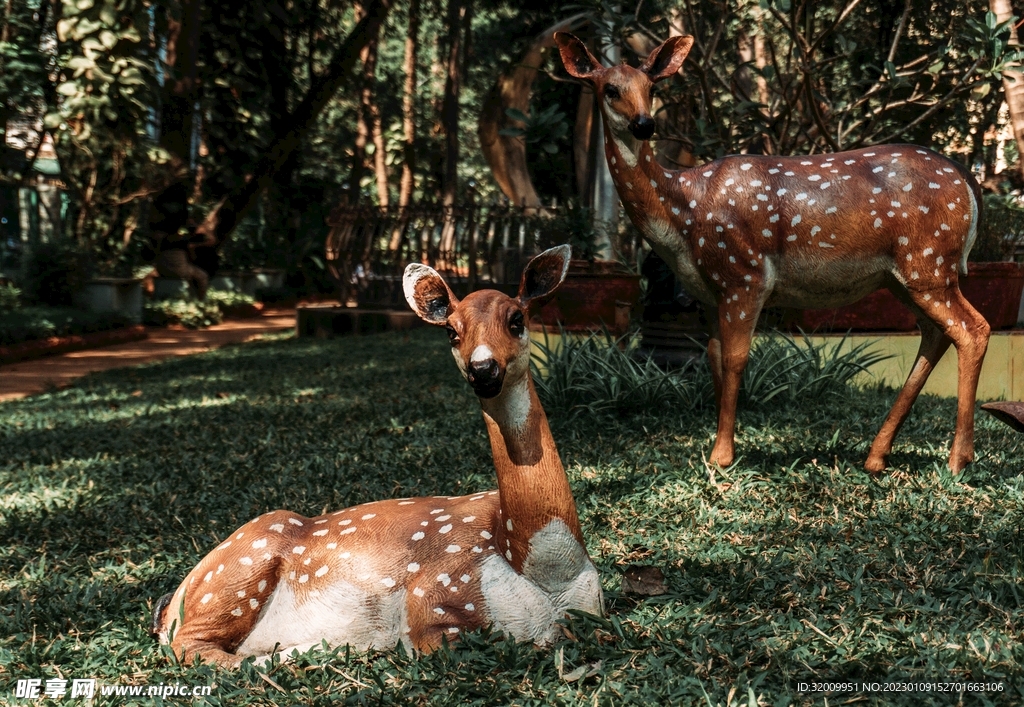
{"points": [[779, 366], [601, 374]]}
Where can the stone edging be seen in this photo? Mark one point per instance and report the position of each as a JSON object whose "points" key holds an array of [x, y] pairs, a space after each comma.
{"points": [[55, 345]]}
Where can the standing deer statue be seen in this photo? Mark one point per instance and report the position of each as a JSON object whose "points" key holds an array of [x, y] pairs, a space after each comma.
{"points": [[413, 570], [749, 231]]}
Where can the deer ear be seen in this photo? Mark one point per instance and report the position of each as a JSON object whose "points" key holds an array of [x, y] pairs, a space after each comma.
{"points": [[578, 60], [667, 58], [428, 294], [544, 273]]}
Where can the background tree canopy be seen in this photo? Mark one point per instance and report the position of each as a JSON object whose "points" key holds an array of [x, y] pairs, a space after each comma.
{"points": [[186, 119]]}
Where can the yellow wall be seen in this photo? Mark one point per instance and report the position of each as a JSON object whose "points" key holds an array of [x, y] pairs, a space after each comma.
{"points": [[1002, 376]]}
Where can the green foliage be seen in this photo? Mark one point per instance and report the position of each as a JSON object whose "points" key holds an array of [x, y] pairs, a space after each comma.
{"points": [[226, 298], [10, 298], [1001, 230], [543, 128], [779, 366], [41, 322], [53, 272], [572, 223], [189, 313], [793, 565], [601, 374]]}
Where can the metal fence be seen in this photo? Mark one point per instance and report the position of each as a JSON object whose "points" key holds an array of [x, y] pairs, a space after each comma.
{"points": [[469, 244]]}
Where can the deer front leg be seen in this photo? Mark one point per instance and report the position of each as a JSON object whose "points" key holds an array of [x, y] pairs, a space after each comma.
{"points": [[737, 316]]}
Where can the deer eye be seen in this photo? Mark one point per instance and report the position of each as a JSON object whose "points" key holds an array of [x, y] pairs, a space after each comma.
{"points": [[612, 92], [515, 324], [453, 336], [654, 91]]}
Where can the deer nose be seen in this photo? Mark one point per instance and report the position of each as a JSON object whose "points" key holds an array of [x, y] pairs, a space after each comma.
{"points": [[485, 377], [642, 127]]}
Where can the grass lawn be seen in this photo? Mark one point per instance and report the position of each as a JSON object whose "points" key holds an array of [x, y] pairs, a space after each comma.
{"points": [[793, 566]]}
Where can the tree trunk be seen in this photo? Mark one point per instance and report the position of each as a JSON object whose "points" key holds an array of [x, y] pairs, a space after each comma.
{"points": [[221, 221], [456, 17], [506, 155], [1013, 82], [365, 110], [168, 217], [408, 184]]}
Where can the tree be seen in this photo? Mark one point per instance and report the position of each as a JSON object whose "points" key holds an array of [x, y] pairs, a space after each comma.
{"points": [[1013, 79]]}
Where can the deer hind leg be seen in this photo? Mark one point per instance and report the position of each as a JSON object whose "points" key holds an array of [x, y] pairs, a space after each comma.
{"points": [[945, 317], [736, 321]]}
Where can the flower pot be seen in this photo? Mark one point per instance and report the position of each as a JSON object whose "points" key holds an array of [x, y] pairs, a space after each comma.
{"points": [[994, 289], [122, 296], [594, 295]]}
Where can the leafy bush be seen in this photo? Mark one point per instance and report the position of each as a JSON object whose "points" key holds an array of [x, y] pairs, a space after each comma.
{"points": [[53, 272], [226, 298], [190, 313], [10, 298], [601, 374], [1001, 230], [31, 323], [779, 366]]}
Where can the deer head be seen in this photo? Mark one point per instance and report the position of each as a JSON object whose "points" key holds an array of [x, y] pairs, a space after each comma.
{"points": [[624, 93], [488, 330]]}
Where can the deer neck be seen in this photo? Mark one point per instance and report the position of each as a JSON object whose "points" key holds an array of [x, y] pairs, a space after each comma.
{"points": [[533, 488], [654, 197]]}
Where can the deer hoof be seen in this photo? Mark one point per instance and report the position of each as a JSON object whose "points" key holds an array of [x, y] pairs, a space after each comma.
{"points": [[875, 465]]}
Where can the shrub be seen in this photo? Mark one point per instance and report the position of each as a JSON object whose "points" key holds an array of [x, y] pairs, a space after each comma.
{"points": [[53, 272], [10, 298], [34, 322], [190, 313], [601, 374]]}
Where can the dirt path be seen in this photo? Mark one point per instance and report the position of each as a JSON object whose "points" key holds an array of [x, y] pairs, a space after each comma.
{"points": [[18, 380]]}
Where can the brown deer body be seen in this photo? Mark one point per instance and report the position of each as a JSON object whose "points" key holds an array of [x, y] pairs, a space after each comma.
{"points": [[749, 231], [418, 569]]}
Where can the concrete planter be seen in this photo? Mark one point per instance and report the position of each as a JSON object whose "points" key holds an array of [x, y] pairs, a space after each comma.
{"points": [[113, 295], [170, 288], [594, 295]]}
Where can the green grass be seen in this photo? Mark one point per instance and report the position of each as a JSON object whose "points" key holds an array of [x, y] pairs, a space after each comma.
{"points": [[794, 565]]}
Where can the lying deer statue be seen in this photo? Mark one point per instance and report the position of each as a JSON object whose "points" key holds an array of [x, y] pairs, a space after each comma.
{"points": [[749, 231], [412, 570]]}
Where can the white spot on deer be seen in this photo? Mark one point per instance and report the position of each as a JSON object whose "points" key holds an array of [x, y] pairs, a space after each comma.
{"points": [[675, 210], [903, 240], [876, 190], [247, 561], [321, 533], [347, 521], [206, 598], [790, 174], [781, 192], [761, 197], [654, 183], [445, 529], [773, 170], [221, 547], [721, 244], [718, 229], [823, 244], [299, 549], [745, 166], [766, 233], [876, 170], [729, 182], [278, 527], [732, 259], [322, 571], [700, 242], [831, 210], [890, 214], [791, 237], [444, 579], [933, 185], [756, 183], [452, 548], [878, 223], [259, 543], [418, 535], [909, 257], [849, 162], [485, 535], [508, 554], [439, 611], [436, 511], [927, 252], [441, 519], [708, 173], [796, 219], [814, 178], [801, 196], [940, 260], [944, 227], [371, 515], [774, 218], [826, 185], [951, 206], [303, 579], [295, 521], [236, 611]]}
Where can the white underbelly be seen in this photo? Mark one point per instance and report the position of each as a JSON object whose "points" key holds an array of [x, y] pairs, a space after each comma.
{"points": [[341, 614], [808, 283], [557, 576]]}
